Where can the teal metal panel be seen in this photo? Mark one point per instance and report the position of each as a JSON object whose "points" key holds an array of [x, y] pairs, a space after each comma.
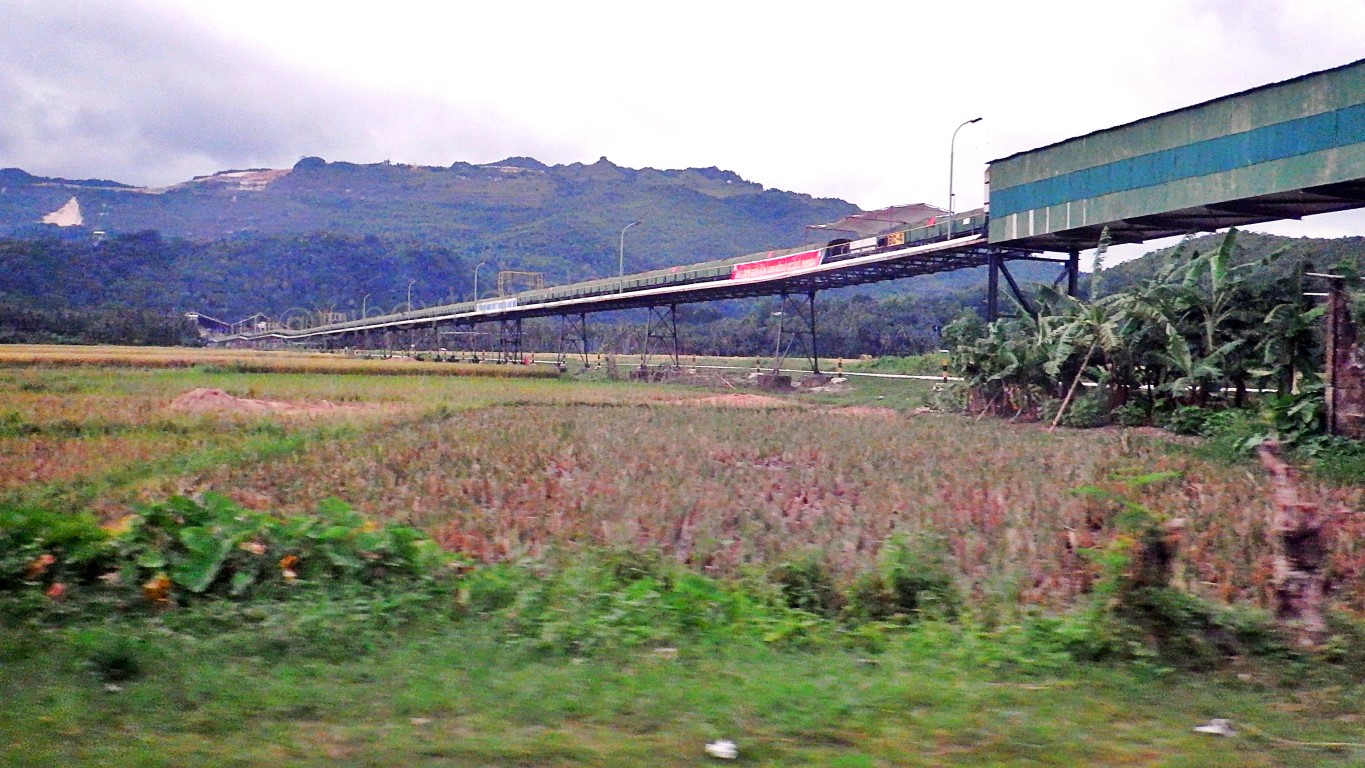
{"points": [[1312, 94], [1197, 156], [1225, 153], [1285, 174]]}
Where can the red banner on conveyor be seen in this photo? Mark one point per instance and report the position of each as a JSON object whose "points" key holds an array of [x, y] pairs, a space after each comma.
{"points": [[776, 266]]}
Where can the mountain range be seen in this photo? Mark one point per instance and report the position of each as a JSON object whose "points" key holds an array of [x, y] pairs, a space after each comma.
{"points": [[346, 237], [563, 220]]}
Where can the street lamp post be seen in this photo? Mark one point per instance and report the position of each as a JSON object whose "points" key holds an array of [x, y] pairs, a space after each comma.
{"points": [[952, 146], [410, 284], [364, 305], [476, 280], [621, 267]]}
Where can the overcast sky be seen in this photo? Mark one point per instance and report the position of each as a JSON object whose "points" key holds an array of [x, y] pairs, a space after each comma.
{"points": [[856, 100]]}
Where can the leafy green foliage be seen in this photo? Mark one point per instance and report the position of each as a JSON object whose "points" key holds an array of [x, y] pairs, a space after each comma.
{"points": [[598, 600], [38, 545], [182, 548], [1187, 420], [1136, 613], [27, 325], [1188, 339], [1135, 413], [115, 656], [1088, 411], [912, 581], [807, 585]]}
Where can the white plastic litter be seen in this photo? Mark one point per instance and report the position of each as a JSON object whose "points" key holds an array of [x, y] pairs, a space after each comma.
{"points": [[1217, 726], [724, 749]]}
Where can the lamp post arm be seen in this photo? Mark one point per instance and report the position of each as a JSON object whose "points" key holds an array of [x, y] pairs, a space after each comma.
{"points": [[621, 254], [952, 150]]}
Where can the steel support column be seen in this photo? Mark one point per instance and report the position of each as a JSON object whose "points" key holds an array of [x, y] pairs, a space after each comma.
{"points": [[1014, 289], [802, 308], [1073, 271], [993, 288], [509, 341], [814, 337], [573, 330], [661, 324]]}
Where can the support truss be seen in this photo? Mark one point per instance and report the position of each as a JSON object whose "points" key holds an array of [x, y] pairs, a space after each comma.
{"points": [[661, 325], [509, 341], [797, 322], [573, 338], [997, 269]]}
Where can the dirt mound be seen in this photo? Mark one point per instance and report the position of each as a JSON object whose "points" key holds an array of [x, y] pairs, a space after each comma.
{"points": [[217, 401], [741, 400], [864, 411]]}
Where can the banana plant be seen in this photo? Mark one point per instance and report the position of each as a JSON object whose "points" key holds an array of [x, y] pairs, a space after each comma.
{"points": [[1093, 326], [1289, 338]]}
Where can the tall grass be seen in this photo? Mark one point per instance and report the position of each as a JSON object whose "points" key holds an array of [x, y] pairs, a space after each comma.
{"points": [[250, 361], [508, 469], [724, 491]]}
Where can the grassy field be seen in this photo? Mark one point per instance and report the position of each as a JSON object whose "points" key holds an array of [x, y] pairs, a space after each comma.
{"points": [[648, 567], [463, 699]]}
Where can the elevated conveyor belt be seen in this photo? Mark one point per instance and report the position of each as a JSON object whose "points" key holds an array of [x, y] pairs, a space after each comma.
{"points": [[936, 247]]}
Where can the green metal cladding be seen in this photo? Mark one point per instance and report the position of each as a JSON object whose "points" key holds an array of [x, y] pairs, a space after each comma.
{"points": [[1286, 136]]}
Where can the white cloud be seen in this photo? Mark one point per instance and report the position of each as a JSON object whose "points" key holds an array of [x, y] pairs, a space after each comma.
{"points": [[856, 101]]}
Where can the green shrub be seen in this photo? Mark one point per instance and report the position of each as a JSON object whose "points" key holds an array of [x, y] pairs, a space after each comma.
{"points": [[114, 656], [912, 577], [949, 398], [807, 585], [870, 598], [1299, 417], [918, 574], [1135, 614], [1233, 433], [13, 424], [495, 587], [184, 548], [39, 546], [1336, 459], [1187, 420], [1134, 413], [1086, 411]]}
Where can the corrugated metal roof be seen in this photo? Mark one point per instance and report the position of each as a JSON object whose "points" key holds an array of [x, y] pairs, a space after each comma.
{"points": [[1149, 118], [882, 220]]}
